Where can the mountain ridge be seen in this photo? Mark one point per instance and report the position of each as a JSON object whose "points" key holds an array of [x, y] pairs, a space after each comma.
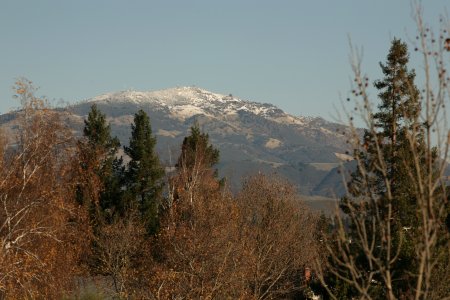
{"points": [[251, 136], [172, 97]]}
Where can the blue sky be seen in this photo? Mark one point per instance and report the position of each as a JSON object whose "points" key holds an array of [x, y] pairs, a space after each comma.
{"points": [[293, 54]]}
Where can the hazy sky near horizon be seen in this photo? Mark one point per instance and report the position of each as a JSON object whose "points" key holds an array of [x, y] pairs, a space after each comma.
{"points": [[291, 53]]}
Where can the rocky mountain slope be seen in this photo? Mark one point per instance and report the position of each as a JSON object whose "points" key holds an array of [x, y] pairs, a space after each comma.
{"points": [[251, 136]]}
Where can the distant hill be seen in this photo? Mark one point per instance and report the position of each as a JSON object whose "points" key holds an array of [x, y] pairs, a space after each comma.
{"points": [[251, 136]]}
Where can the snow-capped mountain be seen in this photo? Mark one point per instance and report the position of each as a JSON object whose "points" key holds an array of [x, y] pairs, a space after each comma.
{"points": [[185, 102], [251, 136]]}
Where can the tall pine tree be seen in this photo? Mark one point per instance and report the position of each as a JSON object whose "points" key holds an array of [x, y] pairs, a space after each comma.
{"points": [[382, 186], [144, 175], [99, 152]]}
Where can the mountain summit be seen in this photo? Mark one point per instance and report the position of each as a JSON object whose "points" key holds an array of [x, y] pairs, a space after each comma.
{"points": [[185, 102]]}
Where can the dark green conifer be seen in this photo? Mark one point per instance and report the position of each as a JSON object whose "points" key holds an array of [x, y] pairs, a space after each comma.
{"points": [[101, 149], [389, 187], [98, 132], [144, 175], [196, 147]]}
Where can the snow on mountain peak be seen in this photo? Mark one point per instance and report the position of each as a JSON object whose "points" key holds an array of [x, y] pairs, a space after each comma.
{"points": [[171, 96], [185, 102]]}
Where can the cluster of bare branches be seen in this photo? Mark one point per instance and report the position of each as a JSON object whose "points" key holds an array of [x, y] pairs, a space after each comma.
{"points": [[122, 254]]}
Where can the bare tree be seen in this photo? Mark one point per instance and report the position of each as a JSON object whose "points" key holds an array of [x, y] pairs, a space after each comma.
{"points": [[122, 254], [277, 238]]}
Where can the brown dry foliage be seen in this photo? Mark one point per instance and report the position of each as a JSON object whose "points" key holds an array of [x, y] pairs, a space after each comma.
{"points": [[277, 238], [39, 240], [253, 246], [196, 246]]}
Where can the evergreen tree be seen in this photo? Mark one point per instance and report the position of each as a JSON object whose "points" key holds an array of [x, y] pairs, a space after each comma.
{"points": [[196, 149], [100, 153], [396, 119], [144, 175], [195, 173], [385, 192], [98, 132]]}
